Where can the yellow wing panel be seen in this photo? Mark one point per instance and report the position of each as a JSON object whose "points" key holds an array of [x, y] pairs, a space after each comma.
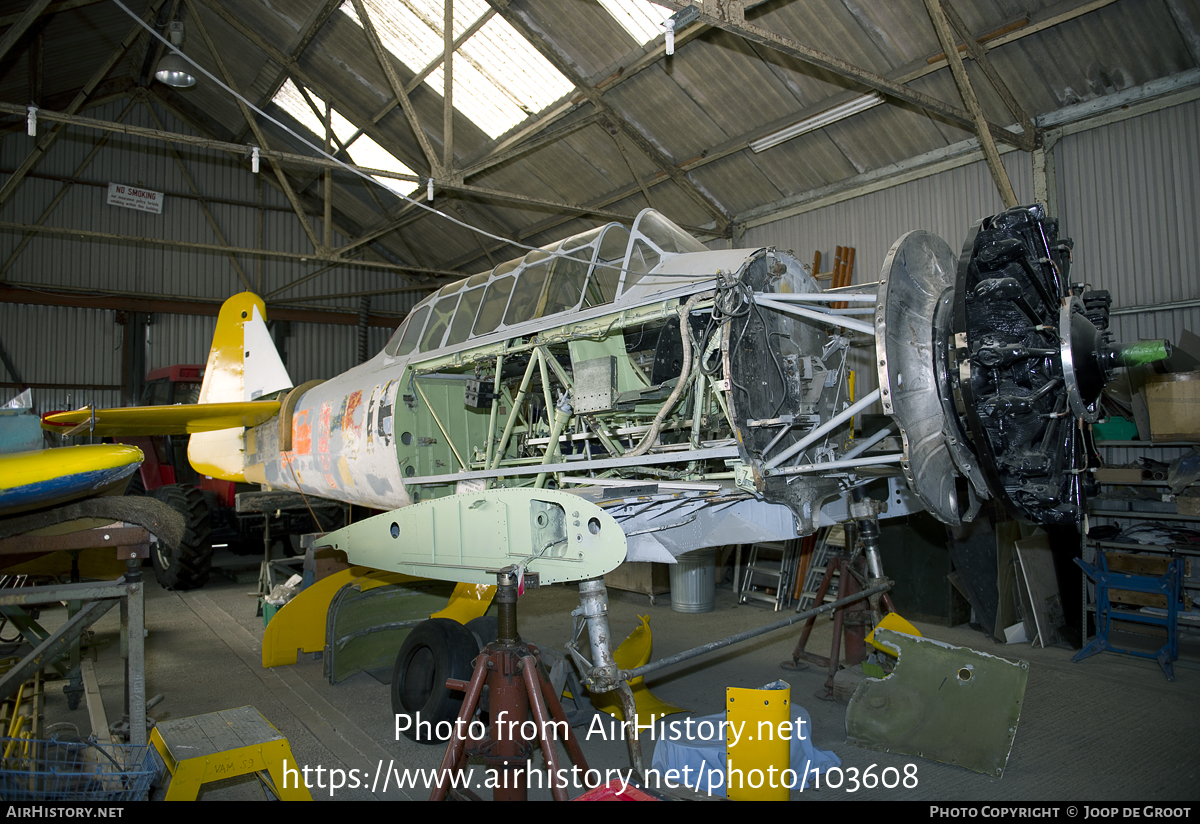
{"points": [[184, 419]]}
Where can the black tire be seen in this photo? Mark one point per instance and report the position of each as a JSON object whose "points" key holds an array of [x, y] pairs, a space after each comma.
{"points": [[136, 486], [188, 566], [485, 628], [435, 650]]}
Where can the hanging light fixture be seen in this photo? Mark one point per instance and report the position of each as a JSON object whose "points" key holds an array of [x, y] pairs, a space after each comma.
{"points": [[818, 121], [173, 70]]}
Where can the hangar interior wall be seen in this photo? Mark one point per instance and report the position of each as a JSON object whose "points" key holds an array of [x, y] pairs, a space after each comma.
{"points": [[1129, 195], [79, 348]]}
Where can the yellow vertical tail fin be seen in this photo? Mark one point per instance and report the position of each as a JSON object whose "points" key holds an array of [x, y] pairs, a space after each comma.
{"points": [[243, 365]]}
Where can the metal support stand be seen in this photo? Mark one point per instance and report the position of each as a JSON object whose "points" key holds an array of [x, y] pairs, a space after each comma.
{"points": [[1166, 585], [517, 687], [602, 673], [132, 545], [860, 577]]}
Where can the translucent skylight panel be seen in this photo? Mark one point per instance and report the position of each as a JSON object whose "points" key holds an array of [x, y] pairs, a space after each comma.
{"points": [[366, 152], [412, 29], [642, 19], [292, 101], [499, 77]]}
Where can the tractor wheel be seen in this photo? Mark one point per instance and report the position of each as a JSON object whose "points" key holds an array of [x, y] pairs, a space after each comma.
{"points": [[186, 566], [435, 650]]}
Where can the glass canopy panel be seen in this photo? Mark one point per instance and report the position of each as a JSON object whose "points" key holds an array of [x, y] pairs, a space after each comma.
{"points": [[527, 293], [566, 282], [642, 258], [614, 243], [440, 317], [493, 305], [406, 337], [464, 317], [664, 234]]}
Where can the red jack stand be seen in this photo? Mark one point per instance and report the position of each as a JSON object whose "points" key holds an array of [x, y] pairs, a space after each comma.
{"points": [[856, 619], [852, 620], [517, 689]]}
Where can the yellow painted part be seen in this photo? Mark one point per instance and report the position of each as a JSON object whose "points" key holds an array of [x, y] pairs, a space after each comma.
{"points": [[182, 419], [100, 564], [300, 624], [189, 774], [467, 602], [764, 743], [224, 374], [634, 652], [25, 468], [220, 453], [894, 622]]}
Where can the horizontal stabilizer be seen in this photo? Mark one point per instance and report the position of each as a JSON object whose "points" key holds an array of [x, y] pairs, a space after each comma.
{"points": [[183, 419]]}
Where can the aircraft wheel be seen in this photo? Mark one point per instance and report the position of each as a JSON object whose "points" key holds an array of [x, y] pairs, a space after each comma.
{"points": [[434, 651], [188, 565], [485, 628]]}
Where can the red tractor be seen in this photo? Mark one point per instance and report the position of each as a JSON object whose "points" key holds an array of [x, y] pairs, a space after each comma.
{"points": [[209, 506]]}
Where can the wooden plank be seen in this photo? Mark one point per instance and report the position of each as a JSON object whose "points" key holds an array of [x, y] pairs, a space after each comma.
{"points": [[1152, 565]]}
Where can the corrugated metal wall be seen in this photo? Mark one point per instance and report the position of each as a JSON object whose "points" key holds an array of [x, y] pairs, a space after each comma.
{"points": [[60, 345], [61, 260], [79, 346], [1129, 195]]}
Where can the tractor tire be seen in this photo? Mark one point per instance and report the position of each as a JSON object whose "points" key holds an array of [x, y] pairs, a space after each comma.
{"points": [[188, 565], [435, 650]]}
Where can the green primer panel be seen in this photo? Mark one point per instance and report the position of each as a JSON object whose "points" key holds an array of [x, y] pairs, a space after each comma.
{"points": [[360, 631], [560, 536], [946, 703]]}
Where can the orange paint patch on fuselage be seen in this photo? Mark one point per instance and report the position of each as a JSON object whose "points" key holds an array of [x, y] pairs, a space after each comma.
{"points": [[352, 423], [323, 428], [301, 434]]}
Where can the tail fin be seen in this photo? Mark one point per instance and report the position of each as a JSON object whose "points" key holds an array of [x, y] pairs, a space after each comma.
{"points": [[243, 365]]}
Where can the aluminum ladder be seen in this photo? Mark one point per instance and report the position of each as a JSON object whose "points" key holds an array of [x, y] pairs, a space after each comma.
{"points": [[771, 565]]}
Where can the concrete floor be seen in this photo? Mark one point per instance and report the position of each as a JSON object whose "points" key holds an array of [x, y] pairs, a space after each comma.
{"points": [[1110, 728]]}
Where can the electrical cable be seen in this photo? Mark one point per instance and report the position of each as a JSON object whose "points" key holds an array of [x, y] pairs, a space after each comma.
{"points": [[352, 170]]}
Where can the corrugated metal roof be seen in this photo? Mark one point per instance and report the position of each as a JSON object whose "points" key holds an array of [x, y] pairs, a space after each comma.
{"points": [[664, 131]]}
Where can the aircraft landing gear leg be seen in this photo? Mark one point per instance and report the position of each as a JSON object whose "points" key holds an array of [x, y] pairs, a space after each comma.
{"points": [[517, 688], [855, 574], [602, 673], [866, 521]]}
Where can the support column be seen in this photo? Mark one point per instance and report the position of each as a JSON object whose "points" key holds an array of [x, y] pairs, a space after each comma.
{"points": [[1045, 175]]}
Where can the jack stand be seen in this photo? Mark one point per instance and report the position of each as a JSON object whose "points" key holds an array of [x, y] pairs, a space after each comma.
{"points": [[517, 687], [851, 620]]}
